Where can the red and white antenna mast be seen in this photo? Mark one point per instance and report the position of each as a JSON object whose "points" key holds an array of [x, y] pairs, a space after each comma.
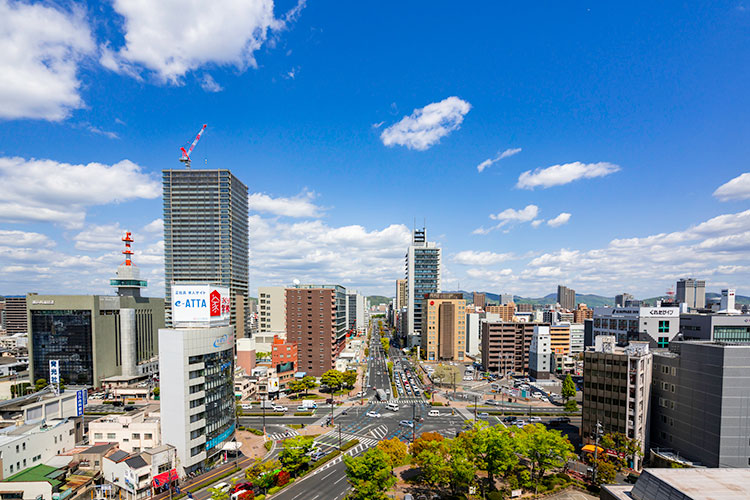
{"points": [[186, 154], [128, 252]]}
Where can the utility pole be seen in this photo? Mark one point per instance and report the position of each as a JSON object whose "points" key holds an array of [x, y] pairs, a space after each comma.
{"points": [[597, 432], [475, 409], [413, 422]]}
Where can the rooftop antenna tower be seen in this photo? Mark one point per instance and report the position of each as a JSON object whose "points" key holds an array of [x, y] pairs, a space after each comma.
{"points": [[185, 158]]}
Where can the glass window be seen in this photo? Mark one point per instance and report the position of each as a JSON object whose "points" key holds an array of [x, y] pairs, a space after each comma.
{"points": [[664, 326]]}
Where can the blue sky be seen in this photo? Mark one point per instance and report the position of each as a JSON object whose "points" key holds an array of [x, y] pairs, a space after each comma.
{"points": [[620, 136]]}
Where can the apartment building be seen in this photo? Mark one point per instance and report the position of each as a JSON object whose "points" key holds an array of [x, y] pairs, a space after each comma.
{"points": [[566, 297], [316, 323], [505, 311], [506, 345], [284, 360], [15, 314], [479, 300], [401, 301], [582, 313], [444, 337], [617, 392]]}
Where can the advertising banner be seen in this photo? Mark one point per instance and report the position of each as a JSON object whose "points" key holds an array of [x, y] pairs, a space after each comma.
{"points": [[54, 371], [200, 305]]}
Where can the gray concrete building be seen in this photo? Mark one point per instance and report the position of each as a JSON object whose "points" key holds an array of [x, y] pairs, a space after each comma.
{"points": [[423, 268], [617, 392], [701, 402], [691, 292], [566, 297], [718, 327], [15, 314], [206, 235]]}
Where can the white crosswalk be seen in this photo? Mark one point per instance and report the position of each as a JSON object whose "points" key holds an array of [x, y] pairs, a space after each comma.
{"points": [[402, 401], [283, 435], [379, 432], [331, 438], [353, 452]]}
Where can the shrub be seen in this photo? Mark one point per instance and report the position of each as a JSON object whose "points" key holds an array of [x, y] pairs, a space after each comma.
{"points": [[282, 478], [268, 445], [495, 495], [436, 403], [350, 444], [257, 432], [273, 489], [303, 414]]}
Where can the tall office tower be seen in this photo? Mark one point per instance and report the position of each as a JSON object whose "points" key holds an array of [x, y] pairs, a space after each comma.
{"points": [[316, 322], [480, 300], [422, 276], [566, 297], [206, 235], [506, 298], [271, 316], [355, 312], [444, 337], [622, 298], [15, 314], [692, 292], [400, 294]]}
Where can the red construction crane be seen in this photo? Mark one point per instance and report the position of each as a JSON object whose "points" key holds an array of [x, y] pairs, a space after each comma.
{"points": [[186, 154]]}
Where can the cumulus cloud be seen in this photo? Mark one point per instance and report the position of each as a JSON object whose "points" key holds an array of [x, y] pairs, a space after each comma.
{"points": [[101, 237], [537, 223], [298, 206], [49, 191], [426, 126], [473, 258], [510, 216], [24, 238], [735, 189], [155, 226], [315, 252], [561, 219], [490, 161], [557, 175], [40, 50], [226, 33]]}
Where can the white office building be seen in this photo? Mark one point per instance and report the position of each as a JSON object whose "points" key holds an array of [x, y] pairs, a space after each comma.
{"points": [[196, 366], [134, 431], [355, 312], [576, 338], [540, 353], [658, 325], [24, 446]]}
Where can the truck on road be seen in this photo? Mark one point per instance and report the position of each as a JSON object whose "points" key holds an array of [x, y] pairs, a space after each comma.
{"points": [[380, 393]]}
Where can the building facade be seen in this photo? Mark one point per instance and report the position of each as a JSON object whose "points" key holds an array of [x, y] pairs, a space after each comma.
{"points": [[656, 324], [423, 268], [505, 311], [566, 297], [401, 301], [316, 323], [692, 292], [24, 446], [582, 313], [86, 334], [701, 402], [617, 392], [15, 314], [284, 361], [444, 336], [206, 235], [134, 431], [540, 353], [479, 299], [506, 345], [196, 367], [717, 327]]}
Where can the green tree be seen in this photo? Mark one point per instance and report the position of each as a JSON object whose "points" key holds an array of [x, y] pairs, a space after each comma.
{"points": [[309, 382], [218, 494], [395, 450], [156, 392], [571, 406], [544, 449], [423, 441], [621, 444], [333, 379], [293, 456], [606, 472], [369, 474], [259, 472], [295, 386], [568, 388], [350, 378], [40, 384], [445, 374], [433, 463], [462, 467], [494, 449]]}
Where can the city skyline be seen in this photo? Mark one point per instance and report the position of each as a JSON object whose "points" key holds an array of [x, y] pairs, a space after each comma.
{"points": [[534, 159]]}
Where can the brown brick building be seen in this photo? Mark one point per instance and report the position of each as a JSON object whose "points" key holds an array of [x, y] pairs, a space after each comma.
{"points": [[581, 313], [505, 345], [479, 299], [506, 311], [316, 323]]}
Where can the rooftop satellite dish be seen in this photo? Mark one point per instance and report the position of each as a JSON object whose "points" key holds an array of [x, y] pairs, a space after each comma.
{"points": [[296, 282]]}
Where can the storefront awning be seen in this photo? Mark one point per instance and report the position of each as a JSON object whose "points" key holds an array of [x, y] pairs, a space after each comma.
{"points": [[164, 478], [589, 448]]}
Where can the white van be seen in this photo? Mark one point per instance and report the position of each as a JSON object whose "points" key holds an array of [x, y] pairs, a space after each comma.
{"points": [[393, 406], [434, 413]]}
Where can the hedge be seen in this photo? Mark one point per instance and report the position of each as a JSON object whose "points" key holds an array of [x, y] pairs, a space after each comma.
{"points": [[303, 414], [436, 403], [257, 432], [269, 413], [324, 459], [350, 444], [267, 445]]}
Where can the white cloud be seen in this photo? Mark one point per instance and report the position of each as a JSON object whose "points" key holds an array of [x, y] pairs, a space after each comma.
{"points": [[100, 237], [473, 258], [173, 37], [510, 216], [209, 84], [105, 133], [537, 223], [490, 161], [155, 226], [24, 238], [558, 221], [557, 175], [298, 206], [49, 191], [735, 189], [426, 126], [40, 50]]}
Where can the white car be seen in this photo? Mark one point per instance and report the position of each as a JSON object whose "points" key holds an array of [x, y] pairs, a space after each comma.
{"points": [[279, 408], [222, 486], [519, 423], [534, 419], [372, 414]]}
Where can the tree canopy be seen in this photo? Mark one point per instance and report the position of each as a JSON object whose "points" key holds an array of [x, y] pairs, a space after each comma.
{"points": [[568, 388]]}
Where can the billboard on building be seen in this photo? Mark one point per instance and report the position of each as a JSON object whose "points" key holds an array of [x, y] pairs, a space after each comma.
{"points": [[200, 305]]}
